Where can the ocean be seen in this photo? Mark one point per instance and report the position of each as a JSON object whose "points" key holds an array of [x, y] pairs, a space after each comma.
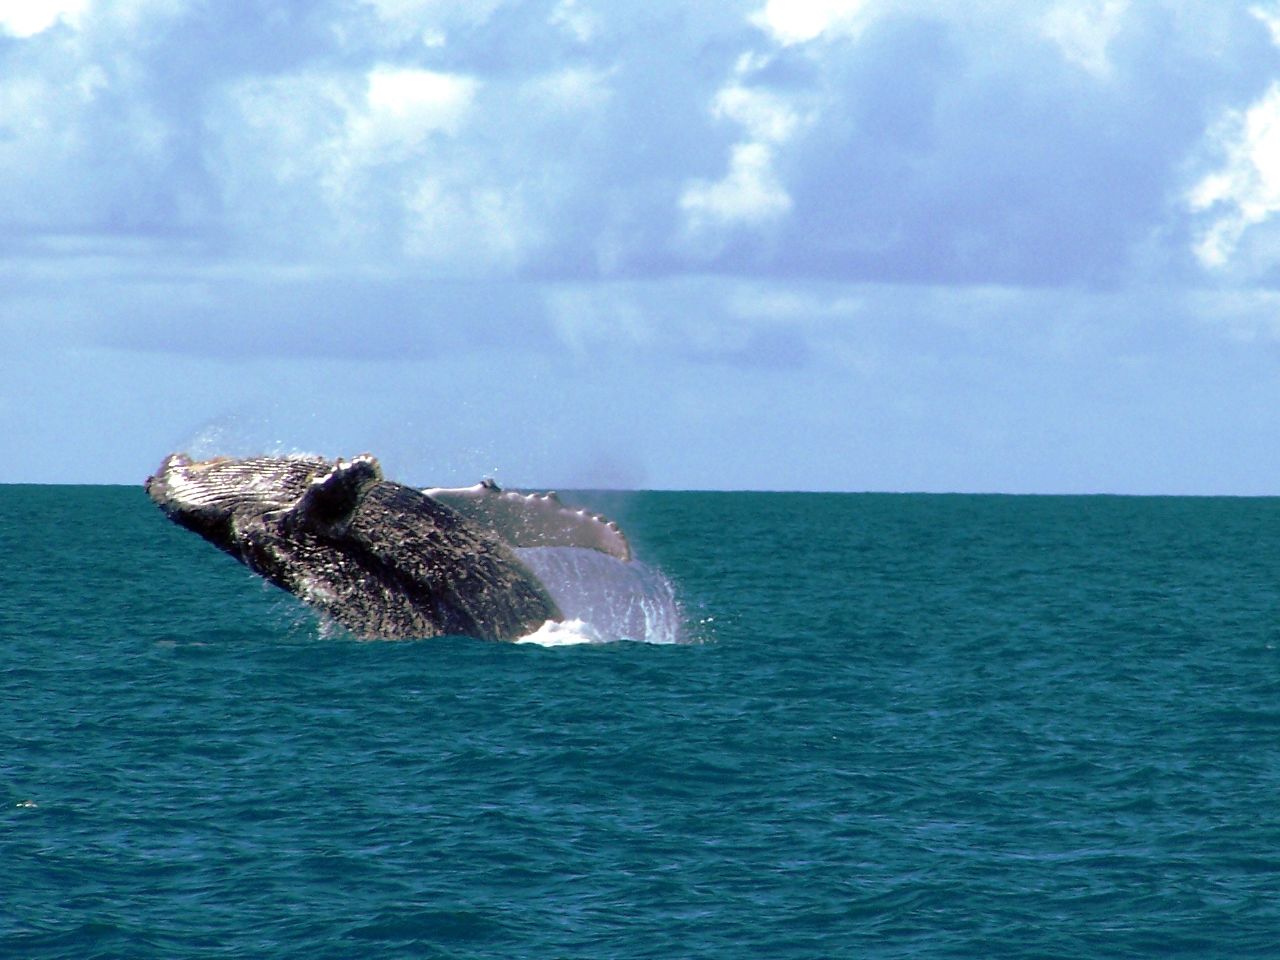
{"points": [[897, 726]]}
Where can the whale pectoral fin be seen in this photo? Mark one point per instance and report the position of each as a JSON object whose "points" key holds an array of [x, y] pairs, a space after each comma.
{"points": [[329, 499], [533, 519]]}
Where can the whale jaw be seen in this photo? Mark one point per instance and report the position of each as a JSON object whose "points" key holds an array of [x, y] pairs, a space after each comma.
{"points": [[382, 559]]}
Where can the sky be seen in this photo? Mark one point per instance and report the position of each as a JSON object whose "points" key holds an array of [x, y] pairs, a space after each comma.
{"points": [[1007, 246]]}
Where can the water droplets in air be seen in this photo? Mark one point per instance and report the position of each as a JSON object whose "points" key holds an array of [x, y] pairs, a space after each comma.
{"points": [[603, 598]]}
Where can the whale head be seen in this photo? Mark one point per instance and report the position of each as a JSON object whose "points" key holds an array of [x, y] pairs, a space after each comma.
{"points": [[208, 495]]}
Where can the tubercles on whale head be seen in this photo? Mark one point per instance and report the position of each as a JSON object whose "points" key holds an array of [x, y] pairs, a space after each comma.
{"points": [[174, 461], [205, 494]]}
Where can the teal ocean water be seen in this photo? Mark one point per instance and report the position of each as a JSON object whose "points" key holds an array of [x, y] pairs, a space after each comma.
{"points": [[909, 727]]}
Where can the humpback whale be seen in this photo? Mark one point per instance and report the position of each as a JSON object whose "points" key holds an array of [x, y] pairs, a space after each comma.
{"points": [[383, 559]]}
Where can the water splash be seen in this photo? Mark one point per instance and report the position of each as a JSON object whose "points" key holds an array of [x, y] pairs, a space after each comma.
{"points": [[238, 434], [603, 598], [563, 633]]}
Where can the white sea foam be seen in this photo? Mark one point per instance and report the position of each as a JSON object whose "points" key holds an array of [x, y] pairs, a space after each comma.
{"points": [[567, 633], [603, 598]]}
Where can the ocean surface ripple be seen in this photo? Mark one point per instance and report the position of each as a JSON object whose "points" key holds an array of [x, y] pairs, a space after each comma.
{"points": [[908, 727]]}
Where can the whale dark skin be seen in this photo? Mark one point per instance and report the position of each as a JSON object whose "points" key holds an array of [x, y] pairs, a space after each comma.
{"points": [[384, 560]]}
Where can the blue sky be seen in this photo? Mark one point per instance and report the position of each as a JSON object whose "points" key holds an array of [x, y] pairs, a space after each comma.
{"points": [[817, 244]]}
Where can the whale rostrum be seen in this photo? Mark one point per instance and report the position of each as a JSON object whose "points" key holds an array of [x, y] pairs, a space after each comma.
{"points": [[382, 559]]}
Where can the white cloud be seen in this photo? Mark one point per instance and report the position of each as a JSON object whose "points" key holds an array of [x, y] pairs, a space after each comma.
{"points": [[1270, 19], [403, 106], [568, 139], [749, 193], [47, 138], [579, 23], [280, 129], [473, 228], [26, 18], [1245, 191], [765, 116], [1084, 31], [371, 162], [798, 21], [573, 88]]}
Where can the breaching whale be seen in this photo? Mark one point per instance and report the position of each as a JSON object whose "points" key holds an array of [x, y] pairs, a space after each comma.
{"points": [[384, 560]]}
